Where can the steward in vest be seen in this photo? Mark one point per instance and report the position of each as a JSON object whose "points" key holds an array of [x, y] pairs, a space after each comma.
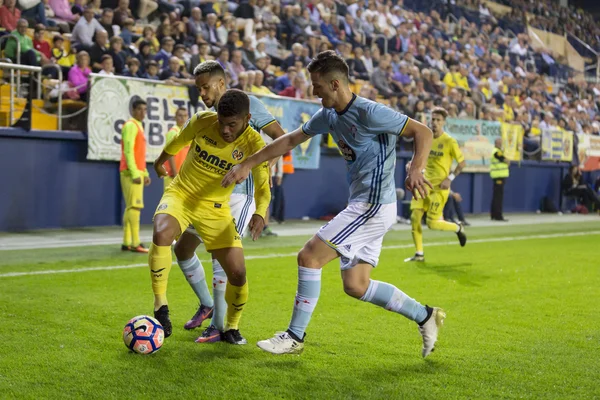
{"points": [[134, 176], [499, 172]]}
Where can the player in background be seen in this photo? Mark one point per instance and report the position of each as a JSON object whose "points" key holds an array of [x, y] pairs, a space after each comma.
{"points": [[174, 164], [134, 176], [210, 81], [366, 133], [218, 141], [444, 150]]}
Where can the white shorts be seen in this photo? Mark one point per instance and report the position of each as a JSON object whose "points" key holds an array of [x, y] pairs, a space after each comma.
{"points": [[357, 232], [242, 208]]}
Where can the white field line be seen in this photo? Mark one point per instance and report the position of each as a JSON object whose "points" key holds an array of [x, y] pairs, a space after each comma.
{"points": [[276, 255]]}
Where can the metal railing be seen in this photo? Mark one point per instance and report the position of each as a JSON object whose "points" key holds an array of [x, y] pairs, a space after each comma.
{"points": [[17, 68], [17, 57], [591, 50]]}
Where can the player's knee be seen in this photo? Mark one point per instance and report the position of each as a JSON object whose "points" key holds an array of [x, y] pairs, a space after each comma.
{"points": [[306, 257], [356, 288], [236, 275], [166, 229], [415, 218], [430, 223]]}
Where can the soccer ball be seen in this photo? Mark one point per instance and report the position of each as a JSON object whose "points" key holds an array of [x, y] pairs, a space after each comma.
{"points": [[143, 334]]}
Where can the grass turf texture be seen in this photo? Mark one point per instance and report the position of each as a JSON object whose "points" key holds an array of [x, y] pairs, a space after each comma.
{"points": [[521, 324]]}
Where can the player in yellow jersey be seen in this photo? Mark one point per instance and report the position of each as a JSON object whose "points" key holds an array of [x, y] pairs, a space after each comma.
{"points": [[174, 164], [444, 150], [219, 141]]}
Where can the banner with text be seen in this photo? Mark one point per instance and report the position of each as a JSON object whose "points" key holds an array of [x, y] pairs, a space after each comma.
{"points": [[588, 151], [512, 141], [292, 114], [110, 107], [476, 141], [557, 145]]}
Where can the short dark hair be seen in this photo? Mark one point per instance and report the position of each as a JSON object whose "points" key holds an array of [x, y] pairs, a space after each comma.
{"points": [[440, 111], [166, 39], [211, 67], [136, 103], [105, 57], [328, 62], [57, 38], [233, 102], [182, 108], [107, 10], [39, 28]]}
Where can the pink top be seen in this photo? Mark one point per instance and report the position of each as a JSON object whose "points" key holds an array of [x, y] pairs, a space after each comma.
{"points": [[62, 9], [8, 20], [77, 77]]}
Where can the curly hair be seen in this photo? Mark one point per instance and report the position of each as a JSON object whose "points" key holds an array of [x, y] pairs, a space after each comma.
{"points": [[233, 102]]}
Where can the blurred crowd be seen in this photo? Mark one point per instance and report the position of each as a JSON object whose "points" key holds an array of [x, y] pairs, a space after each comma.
{"points": [[407, 56]]}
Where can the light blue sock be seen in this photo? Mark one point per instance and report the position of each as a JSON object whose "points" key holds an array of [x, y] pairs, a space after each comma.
{"points": [[219, 286], [194, 274], [393, 299], [307, 296]]}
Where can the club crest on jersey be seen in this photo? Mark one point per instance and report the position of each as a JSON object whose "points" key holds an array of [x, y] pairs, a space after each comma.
{"points": [[161, 207], [346, 150], [237, 155], [440, 146]]}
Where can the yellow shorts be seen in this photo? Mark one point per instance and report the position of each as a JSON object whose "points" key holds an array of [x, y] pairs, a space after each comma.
{"points": [[167, 181], [133, 193], [212, 221], [432, 204]]}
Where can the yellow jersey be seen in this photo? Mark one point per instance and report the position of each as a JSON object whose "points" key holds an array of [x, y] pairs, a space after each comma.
{"points": [[210, 157], [444, 149]]}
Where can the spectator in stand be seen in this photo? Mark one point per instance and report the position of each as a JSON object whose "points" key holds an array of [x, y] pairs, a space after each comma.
{"points": [[236, 64], [126, 33], [133, 68], [78, 8], [295, 56], [165, 53], [172, 75], [329, 30], [98, 50], [122, 12], [574, 186], [107, 66], [380, 77], [260, 51], [196, 26], [34, 10], [79, 74], [118, 55], [60, 56], [107, 21], [149, 36], [244, 15], [83, 32], [285, 81], [40, 44], [62, 11], [9, 15], [357, 67], [297, 90], [29, 56], [211, 35], [257, 86], [152, 71]]}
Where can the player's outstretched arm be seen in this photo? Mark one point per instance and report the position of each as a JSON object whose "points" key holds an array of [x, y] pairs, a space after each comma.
{"points": [[422, 135], [279, 147]]}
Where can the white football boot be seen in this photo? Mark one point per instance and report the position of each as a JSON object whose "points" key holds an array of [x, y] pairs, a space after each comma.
{"points": [[281, 343], [429, 330]]}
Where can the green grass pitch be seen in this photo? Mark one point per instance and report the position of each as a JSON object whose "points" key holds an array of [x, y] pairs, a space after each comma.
{"points": [[522, 306]]}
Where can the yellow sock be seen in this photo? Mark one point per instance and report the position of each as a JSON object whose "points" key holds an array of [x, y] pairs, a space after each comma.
{"points": [[417, 230], [236, 297], [160, 260], [441, 225], [133, 216], [126, 229]]}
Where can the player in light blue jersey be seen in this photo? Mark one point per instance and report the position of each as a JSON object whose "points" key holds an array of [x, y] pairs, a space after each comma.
{"points": [[210, 81], [366, 133]]}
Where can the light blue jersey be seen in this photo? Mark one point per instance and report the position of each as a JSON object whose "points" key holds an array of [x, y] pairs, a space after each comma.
{"points": [[366, 133], [259, 118]]}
